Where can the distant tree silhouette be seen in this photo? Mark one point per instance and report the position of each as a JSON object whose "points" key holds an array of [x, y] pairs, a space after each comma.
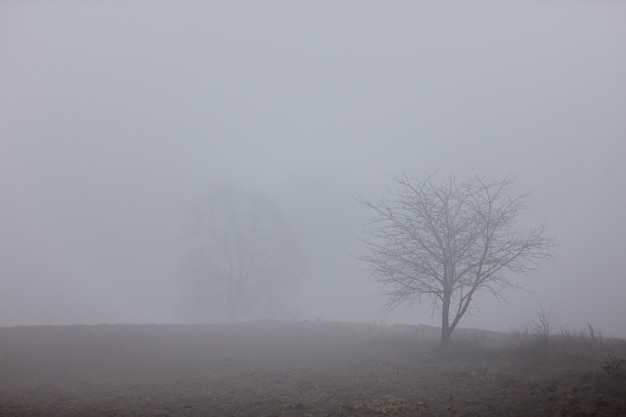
{"points": [[243, 258]]}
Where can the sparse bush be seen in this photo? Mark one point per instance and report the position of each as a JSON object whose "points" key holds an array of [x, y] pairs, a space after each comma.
{"points": [[537, 340], [614, 366], [570, 344], [541, 327], [565, 346]]}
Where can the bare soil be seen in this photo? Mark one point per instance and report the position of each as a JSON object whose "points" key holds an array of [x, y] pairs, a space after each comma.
{"points": [[281, 369]]}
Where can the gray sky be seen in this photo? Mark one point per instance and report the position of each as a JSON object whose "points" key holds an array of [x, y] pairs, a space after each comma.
{"points": [[114, 116]]}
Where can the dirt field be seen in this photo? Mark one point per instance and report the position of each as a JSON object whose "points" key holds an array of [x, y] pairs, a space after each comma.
{"points": [[281, 369]]}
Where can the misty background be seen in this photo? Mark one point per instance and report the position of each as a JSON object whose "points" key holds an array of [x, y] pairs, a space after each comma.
{"points": [[114, 117]]}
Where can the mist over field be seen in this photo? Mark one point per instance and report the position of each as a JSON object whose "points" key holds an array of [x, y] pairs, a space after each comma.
{"points": [[115, 118]]}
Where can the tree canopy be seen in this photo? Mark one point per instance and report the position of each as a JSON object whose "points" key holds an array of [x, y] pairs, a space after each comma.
{"points": [[447, 241]]}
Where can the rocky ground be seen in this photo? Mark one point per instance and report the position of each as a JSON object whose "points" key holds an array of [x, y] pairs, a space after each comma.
{"points": [[286, 369]]}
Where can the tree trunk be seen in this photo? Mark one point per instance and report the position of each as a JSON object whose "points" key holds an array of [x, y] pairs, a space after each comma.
{"points": [[445, 339], [445, 324], [232, 306]]}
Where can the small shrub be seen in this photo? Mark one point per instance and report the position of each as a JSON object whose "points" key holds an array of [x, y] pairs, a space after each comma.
{"points": [[542, 327], [614, 366]]}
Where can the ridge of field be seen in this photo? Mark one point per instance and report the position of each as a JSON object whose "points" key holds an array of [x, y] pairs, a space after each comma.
{"points": [[303, 369], [114, 350]]}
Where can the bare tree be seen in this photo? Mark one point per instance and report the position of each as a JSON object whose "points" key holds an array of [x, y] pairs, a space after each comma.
{"points": [[245, 258], [447, 241]]}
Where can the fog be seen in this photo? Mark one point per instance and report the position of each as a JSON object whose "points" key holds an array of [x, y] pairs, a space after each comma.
{"points": [[114, 117]]}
